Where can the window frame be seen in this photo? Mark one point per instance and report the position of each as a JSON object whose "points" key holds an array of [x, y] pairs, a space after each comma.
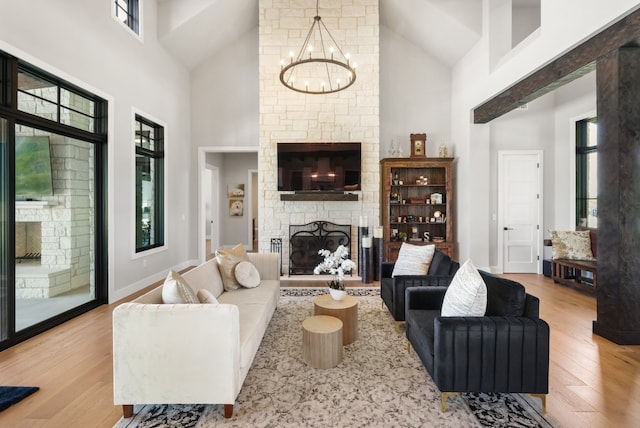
{"points": [[133, 23], [159, 211], [583, 148]]}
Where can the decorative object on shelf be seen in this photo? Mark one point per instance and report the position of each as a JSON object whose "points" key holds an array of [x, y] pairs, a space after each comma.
{"points": [[418, 145], [329, 71], [402, 236], [443, 152], [426, 236], [393, 149], [436, 198], [337, 264]]}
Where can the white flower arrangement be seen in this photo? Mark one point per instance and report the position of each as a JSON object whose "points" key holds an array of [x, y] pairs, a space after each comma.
{"points": [[337, 264]]}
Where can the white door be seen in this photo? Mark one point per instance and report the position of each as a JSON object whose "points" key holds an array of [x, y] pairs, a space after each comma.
{"points": [[520, 208]]}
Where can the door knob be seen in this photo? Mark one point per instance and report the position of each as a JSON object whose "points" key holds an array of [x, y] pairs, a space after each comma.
{"points": [[508, 228]]}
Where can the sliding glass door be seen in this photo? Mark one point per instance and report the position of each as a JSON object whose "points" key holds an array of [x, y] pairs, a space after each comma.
{"points": [[53, 263], [54, 225]]}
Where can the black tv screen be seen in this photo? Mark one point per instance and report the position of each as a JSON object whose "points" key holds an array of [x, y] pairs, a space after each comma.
{"points": [[33, 167], [327, 167]]}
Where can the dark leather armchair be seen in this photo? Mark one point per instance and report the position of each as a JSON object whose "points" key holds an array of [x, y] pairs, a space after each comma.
{"points": [[392, 289], [507, 350]]}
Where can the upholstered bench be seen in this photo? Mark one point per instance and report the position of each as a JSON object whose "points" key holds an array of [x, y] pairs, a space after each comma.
{"points": [[570, 271]]}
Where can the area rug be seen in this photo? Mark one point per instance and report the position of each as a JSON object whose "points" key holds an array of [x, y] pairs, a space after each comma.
{"points": [[378, 384], [10, 395]]}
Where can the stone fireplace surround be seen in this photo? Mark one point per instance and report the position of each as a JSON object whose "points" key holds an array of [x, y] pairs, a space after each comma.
{"points": [[349, 115]]}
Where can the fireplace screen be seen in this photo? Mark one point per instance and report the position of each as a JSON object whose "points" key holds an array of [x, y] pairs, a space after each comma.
{"points": [[306, 239]]}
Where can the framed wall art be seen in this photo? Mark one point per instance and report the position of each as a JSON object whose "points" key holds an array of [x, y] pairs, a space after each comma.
{"points": [[236, 207]]}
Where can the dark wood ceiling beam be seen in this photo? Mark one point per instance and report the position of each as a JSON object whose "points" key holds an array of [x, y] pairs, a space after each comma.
{"points": [[568, 67]]}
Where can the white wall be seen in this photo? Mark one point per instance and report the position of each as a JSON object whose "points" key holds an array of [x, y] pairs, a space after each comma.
{"points": [[474, 81], [80, 42], [415, 94]]}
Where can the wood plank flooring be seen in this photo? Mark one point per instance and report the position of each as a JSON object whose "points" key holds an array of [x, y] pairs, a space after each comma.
{"points": [[593, 382]]}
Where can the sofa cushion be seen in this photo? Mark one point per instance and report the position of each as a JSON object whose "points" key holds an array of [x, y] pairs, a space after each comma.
{"points": [[413, 259], [571, 244], [205, 296], [442, 265], [177, 290], [505, 298], [207, 276], [466, 295], [247, 274], [227, 261]]}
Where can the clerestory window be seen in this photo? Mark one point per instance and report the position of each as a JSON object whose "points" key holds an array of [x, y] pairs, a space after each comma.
{"points": [[128, 12]]}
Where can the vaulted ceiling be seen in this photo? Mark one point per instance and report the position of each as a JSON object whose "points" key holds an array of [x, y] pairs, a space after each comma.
{"points": [[194, 30]]}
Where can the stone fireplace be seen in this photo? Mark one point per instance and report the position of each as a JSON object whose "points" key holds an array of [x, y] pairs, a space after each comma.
{"points": [[351, 115]]}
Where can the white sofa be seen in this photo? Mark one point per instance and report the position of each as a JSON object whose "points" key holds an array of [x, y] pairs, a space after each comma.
{"points": [[192, 353]]}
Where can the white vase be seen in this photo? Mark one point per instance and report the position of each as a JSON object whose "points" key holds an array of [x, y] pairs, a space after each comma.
{"points": [[337, 294]]}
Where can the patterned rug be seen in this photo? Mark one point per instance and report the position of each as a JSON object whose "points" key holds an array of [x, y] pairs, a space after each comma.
{"points": [[378, 383]]}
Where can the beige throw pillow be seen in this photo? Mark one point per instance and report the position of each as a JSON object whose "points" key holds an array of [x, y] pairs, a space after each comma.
{"points": [[227, 260], [247, 275], [177, 290], [571, 244], [205, 296], [466, 295], [413, 259]]}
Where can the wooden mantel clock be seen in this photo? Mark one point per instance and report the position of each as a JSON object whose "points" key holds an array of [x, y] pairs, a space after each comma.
{"points": [[418, 145]]}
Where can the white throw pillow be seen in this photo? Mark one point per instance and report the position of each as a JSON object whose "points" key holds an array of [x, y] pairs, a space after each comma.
{"points": [[466, 295], [247, 274], [413, 259], [206, 296], [177, 290]]}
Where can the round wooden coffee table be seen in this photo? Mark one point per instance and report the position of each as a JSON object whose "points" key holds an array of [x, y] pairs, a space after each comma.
{"points": [[346, 310], [322, 341]]}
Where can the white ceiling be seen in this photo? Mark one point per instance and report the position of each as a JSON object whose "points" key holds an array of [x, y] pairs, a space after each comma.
{"points": [[193, 30]]}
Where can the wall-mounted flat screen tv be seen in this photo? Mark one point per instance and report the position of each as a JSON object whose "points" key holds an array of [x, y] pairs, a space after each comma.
{"points": [[327, 167], [33, 167]]}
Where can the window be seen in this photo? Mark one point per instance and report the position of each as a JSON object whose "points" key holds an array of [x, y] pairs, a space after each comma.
{"points": [[128, 12], [587, 173], [149, 138], [45, 97]]}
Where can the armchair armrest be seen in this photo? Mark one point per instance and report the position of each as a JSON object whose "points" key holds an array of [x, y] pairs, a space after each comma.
{"points": [[387, 269], [491, 354], [424, 298]]}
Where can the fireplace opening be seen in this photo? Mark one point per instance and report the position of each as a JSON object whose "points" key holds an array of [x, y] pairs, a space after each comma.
{"points": [[306, 239], [28, 247]]}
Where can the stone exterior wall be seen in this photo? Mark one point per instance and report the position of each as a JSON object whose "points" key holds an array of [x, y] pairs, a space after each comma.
{"points": [[289, 116], [67, 225]]}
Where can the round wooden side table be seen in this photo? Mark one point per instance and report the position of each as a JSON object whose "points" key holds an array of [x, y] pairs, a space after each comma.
{"points": [[346, 310], [322, 341]]}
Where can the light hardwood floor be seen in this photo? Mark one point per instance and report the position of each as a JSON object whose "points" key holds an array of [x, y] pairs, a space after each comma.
{"points": [[593, 382]]}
